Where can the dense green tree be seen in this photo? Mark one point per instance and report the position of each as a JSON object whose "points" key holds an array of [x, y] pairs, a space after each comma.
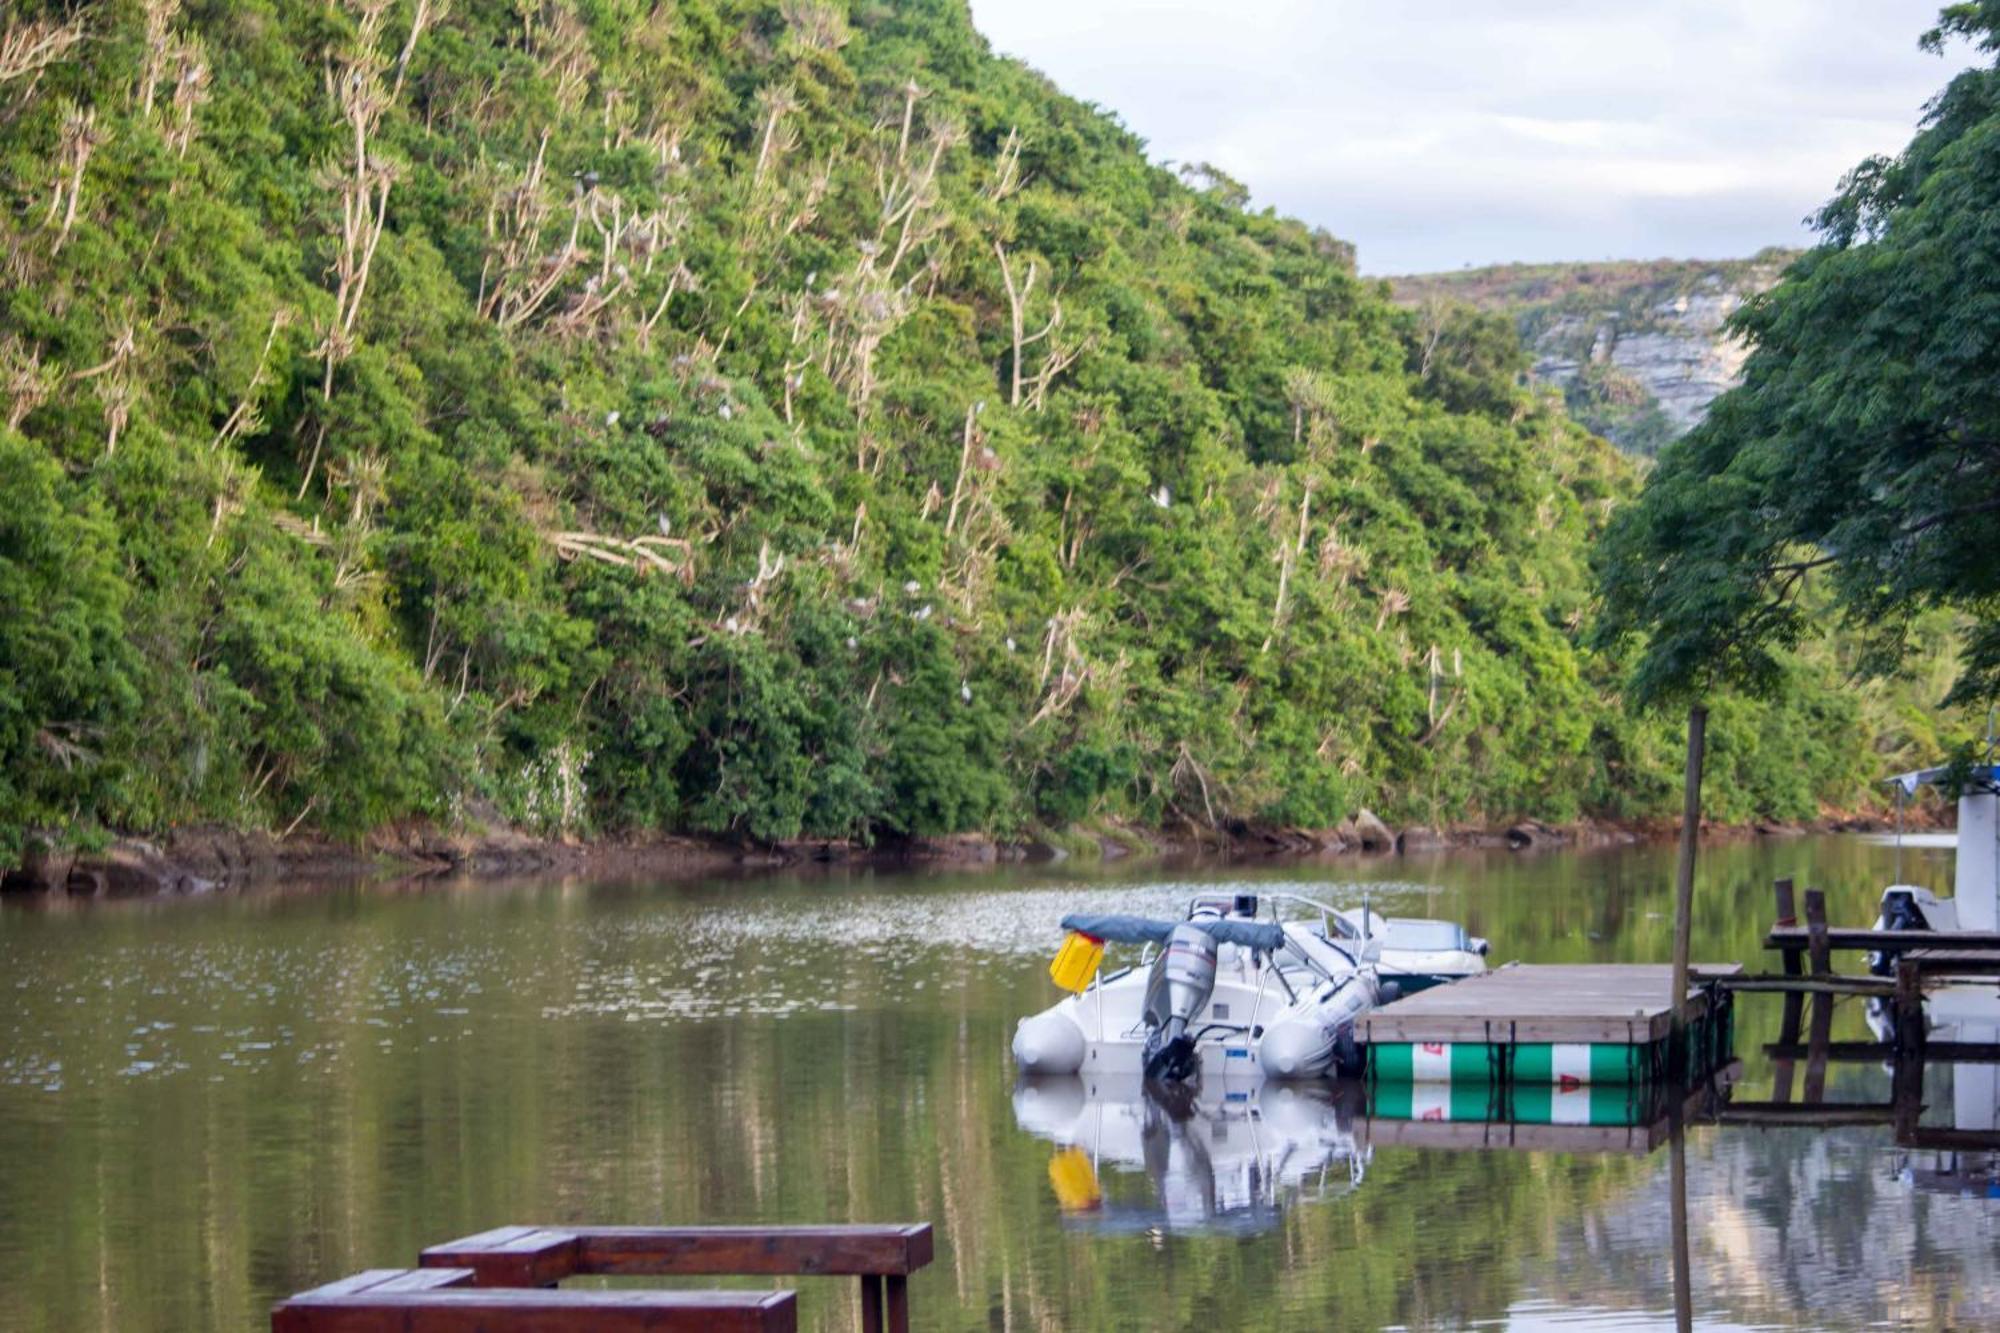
{"points": [[1863, 448], [68, 687]]}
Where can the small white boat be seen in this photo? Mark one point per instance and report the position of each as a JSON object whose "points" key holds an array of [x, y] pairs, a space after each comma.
{"points": [[1975, 901], [1416, 952], [1224, 994], [1976, 874]]}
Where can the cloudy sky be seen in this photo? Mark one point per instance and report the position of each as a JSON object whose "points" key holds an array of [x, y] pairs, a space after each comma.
{"points": [[1457, 132]]}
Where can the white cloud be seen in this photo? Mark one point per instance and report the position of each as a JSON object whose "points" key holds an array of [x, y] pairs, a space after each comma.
{"points": [[1472, 131]]}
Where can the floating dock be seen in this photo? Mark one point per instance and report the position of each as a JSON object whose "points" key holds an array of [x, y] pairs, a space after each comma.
{"points": [[1565, 1024]]}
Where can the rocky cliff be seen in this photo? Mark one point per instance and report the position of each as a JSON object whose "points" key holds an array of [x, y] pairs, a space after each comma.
{"points": [[1639, 349]]}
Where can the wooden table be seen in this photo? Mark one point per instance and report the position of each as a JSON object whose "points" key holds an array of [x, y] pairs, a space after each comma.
{"points": [[882, 1257]]}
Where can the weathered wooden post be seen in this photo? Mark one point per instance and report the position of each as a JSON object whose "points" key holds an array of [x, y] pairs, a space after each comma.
{"points": [[1907, 1083], [1684, 885], [1820, 960], [1788, 1026]]}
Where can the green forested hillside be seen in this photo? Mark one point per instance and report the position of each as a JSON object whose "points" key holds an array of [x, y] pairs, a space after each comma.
{"points": [[751, 418]]}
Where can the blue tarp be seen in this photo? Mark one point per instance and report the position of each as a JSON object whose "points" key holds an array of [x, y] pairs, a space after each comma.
{"points": [[1976, 777], [1263, 935]]}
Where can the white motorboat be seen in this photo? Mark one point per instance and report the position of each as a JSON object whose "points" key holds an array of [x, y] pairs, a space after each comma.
{"points": [[1976, 875], [1225, 1156], [1223, 994], [1965, 1159], [1975, 901]]}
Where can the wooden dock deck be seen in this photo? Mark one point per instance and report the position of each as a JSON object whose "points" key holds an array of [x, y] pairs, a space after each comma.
{"points": [[1570, 1003]]}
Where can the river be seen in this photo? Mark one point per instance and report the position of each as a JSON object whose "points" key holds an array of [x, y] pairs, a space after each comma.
{"points": [[205, 1105]]}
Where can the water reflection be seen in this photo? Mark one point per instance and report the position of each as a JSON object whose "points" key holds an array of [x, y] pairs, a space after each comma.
{"points": [[1215, 1156], [205, 1105]]}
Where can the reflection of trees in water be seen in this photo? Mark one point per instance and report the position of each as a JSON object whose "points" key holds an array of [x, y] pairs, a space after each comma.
{"points": [[408, 1068], [1790, 1227]]}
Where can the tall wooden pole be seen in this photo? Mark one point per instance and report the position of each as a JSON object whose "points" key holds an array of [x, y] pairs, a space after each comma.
{"points": [[1684, 881]]}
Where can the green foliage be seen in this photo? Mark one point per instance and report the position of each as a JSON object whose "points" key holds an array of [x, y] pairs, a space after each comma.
{"points": [[1862, 442], [67, 675], [762, 419]]}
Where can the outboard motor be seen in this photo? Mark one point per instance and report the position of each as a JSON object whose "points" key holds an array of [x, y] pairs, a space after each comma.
{"points": [[1900, 911], [1182, 979]]}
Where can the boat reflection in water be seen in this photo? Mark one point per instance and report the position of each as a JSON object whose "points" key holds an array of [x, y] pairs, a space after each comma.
{"points": [[1964, 1157], [1217, 1157]]}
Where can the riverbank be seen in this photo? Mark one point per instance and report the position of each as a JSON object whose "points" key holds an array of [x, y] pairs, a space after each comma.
{"points": [[211, 859]]}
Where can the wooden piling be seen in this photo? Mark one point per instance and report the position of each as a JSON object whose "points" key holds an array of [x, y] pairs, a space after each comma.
{"points": [[1684, 877], [1788, 1026], [1820, 961], [1908, 1080], [1683, 1274]]}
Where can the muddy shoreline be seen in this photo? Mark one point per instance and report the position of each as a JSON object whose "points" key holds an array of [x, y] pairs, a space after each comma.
{"points": [[203, 860]]}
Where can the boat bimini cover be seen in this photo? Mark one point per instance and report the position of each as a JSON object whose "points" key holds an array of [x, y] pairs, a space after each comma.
{"points": [[1264, 936]]}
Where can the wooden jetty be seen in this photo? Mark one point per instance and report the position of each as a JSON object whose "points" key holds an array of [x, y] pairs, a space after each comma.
{"points": [[1580, 1023], [1921, 960], [498, 1281]]}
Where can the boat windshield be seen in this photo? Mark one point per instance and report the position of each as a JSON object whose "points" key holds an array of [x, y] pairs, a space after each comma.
{"points": [[1422, 936]]}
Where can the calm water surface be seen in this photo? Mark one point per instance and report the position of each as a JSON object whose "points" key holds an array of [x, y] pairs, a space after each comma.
{"points": [[206, 1105]]}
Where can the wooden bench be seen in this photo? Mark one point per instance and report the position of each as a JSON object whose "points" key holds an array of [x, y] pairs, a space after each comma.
{"points": [[446, 1300], [882, 1257]]}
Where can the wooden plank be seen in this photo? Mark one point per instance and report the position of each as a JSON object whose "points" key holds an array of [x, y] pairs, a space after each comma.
{"points": [[1565, 1002], [512, 1310], [1951, 1140], [834, 1251], [1938, 962], [486, 1240], [1878, 1052], [1502, 1136], [428, 1279], [1840, 937], [373, 1278], [1824, 1115], [510, 1256], [1833, 983]]}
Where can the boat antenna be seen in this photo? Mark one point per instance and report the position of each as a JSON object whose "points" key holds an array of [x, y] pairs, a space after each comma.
{"points": [[1899, 834]]}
